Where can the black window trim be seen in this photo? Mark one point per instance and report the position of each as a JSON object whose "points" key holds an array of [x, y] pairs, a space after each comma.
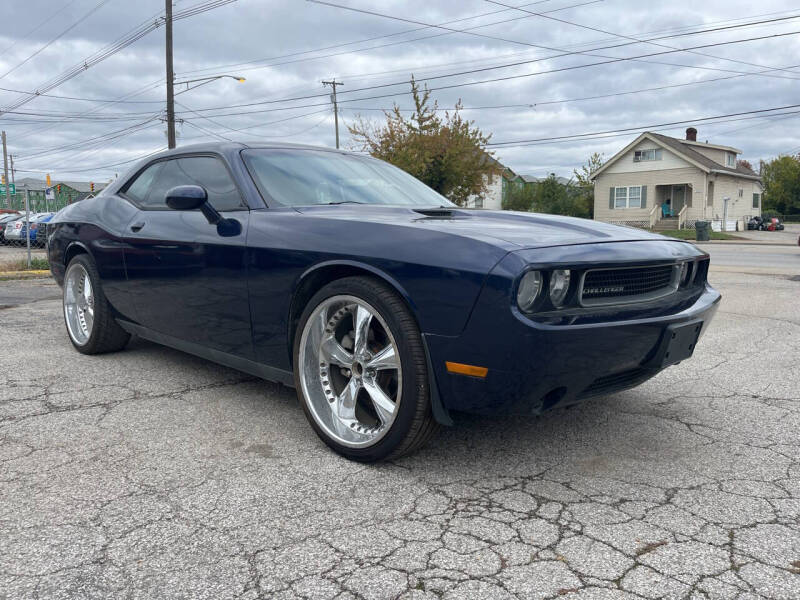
{"points": [[160, 159]]}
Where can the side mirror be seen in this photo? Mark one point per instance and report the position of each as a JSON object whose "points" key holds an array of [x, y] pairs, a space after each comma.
{"points": [[192, 197], [186, 197]]}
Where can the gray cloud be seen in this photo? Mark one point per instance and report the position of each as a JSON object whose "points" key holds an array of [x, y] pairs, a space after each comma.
{"points": [[260, 33]]}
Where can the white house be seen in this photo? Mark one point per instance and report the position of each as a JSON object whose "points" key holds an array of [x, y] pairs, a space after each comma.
{"points": [[695, 180]]}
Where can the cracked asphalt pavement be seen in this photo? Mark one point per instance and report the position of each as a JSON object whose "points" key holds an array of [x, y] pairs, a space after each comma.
{"points": [[153, 474]]}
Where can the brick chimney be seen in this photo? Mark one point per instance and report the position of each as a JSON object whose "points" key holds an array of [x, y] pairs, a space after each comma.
{"points": [[691, 134]]}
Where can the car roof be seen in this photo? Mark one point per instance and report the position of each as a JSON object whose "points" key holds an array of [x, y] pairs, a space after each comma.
{"points": [[224, 147]]}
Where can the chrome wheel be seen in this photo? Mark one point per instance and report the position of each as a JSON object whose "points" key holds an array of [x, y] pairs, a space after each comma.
{"points": [[78, 304], [350, 371]]}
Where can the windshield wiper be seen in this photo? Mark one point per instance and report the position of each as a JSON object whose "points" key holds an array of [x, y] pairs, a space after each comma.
{"points": [[343, 202]]}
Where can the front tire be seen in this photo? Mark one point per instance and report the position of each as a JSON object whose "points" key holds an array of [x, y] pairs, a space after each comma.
{"points": [[90, 322], [360, 371]]}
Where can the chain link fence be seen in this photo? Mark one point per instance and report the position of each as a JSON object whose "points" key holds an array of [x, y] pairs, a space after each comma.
{"points": [[23, 229]]}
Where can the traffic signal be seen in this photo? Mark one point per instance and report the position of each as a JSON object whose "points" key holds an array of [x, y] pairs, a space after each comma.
{"points": [[2, 179], [91, 186], [48, 180], [58, 188]]}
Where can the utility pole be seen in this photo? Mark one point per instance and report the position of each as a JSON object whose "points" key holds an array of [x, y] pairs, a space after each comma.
{"points": [[13, 180], [5, 172], [170, 79], [333, 83]]}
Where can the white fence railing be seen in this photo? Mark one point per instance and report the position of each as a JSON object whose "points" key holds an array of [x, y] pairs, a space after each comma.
{"points": [[654, 215], [682, 216]]}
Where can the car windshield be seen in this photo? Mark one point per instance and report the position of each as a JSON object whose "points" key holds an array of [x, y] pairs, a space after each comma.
{"points": [[294, 177]]}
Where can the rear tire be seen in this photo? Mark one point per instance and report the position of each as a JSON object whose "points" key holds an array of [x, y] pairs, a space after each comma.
{"points": [[361, 372], [90, 322]]}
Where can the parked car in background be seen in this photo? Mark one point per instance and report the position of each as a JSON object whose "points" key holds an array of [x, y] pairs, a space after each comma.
{"points": [[774, 224], [756, 224], [37, 225], [16, 230], [5, 218], [385, 305]]}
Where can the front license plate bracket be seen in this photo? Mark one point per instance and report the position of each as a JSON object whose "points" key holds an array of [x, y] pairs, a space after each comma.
{"points": [[677, 343]]}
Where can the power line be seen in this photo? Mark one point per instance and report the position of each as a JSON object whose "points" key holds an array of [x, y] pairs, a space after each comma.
{"points": [[93, 10], [506, 78], [576, 136], [114, 47], [78, 144], [37, 27], [588, 53], [379, 37], [627, 37], [578, 99], [679, 30]]}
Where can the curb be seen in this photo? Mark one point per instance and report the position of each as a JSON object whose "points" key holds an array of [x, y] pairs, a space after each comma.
{"points": [[34, 274], [744, 242]]}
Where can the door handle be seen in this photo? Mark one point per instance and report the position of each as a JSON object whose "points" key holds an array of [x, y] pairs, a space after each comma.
{"points": [[137, 226]]}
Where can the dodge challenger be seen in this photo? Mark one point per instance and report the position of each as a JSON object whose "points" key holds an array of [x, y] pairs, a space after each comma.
{"points": [[386, 307]]}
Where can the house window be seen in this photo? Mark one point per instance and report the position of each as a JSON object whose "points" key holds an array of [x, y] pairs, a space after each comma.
{"points": [[628, 197], [478, 202], [730, 160], [621, 197], [644, 155], [635, 197], [741, 193], [756, 200]]}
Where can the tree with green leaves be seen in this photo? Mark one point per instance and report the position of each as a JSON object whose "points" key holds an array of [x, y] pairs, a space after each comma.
{"points": [[520, 197], [781, 179], [584, 183], [448, 154]]}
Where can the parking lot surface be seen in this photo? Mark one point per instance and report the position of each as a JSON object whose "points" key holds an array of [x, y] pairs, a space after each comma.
{"points": [[153, 474]]}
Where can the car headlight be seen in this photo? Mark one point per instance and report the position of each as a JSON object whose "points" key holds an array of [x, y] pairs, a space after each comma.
{"points": [[528, 291], [559, 286], [686, 273]]}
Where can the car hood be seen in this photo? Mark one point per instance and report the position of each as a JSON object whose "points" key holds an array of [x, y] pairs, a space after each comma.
{"points": [[508, 229]]}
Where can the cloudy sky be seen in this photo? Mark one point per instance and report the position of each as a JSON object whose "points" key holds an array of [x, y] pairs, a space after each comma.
{"points": [[525, 78]]}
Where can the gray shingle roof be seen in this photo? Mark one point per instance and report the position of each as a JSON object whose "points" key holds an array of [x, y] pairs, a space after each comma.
{"points": [[687, 150]]}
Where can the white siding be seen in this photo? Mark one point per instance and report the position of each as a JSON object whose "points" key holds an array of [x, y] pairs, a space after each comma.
{"points": [[493, 198], [625, 164], [726, 186], [718, 156], [605, 181]]}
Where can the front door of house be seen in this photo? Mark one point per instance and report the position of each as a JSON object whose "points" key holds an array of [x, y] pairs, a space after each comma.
{"points": [[678, 198]]}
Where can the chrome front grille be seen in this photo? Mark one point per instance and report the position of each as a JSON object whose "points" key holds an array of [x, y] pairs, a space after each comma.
{"points": [[631, 284]]}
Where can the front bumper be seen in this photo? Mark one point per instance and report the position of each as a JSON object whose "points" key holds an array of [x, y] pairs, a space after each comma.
{"points": [[541, 367], [534, 366]]}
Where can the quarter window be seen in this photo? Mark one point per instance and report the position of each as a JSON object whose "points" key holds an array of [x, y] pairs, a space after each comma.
{"points": [[137, 190]]}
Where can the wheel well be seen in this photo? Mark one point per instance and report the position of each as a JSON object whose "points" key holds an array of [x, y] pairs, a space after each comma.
{"points": [[72, 252], [315, 281]]}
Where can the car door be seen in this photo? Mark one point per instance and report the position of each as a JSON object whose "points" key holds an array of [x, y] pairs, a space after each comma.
{"points": [[188, 281]]}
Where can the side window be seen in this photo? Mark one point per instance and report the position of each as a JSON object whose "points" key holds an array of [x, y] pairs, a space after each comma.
{"points": [[206, 171], [212, 174], [137, 190]]}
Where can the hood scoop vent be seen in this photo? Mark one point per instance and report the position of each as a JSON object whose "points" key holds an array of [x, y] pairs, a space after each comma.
{"points": [[435, 212]]}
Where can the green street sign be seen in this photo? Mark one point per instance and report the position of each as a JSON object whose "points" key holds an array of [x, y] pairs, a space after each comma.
{"points": [[3, 189]]}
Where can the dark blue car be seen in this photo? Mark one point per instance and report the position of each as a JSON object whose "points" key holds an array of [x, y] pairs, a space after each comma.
{"points": [[383, 304]]}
